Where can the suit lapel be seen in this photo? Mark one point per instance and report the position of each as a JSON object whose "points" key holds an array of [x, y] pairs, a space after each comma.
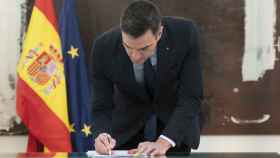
{"points": [[163, 55]]}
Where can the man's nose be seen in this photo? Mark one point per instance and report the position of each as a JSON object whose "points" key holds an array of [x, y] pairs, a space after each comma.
{"points": [[136, 55]]}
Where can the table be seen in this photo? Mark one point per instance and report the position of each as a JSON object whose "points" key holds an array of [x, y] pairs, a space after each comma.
{"points": [[172, 155]]}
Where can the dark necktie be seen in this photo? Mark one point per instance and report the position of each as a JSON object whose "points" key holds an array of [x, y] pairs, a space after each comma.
{"points": [[149, 78]]}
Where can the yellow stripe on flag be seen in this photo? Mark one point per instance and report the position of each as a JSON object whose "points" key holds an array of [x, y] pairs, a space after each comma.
{"points": [[60, 155]]}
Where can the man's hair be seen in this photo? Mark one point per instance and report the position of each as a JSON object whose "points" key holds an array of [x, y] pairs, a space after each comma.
{"points": [[139, 17]]}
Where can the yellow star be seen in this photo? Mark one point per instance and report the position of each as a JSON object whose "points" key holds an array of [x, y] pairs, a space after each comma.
{"points": [[86, 130], [73, 52], [72, 128]]}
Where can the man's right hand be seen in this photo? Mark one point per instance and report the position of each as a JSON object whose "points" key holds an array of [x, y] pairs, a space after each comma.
{"points": [[104, 144]]}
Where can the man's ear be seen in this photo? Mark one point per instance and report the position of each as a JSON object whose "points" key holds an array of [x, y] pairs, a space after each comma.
{"points": [[161, 29], [160, 32]]}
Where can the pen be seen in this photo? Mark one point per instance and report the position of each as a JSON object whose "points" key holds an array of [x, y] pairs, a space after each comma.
{"points": [[109, 149]]}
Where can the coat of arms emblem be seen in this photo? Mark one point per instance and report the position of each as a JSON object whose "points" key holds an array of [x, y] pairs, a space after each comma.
{"points": [[42, 69]]}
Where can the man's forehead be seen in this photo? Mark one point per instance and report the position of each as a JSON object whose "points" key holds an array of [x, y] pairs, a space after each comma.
{"points": [[137, 43]]}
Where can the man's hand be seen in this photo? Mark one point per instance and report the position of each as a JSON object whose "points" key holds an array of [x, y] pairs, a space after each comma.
{"points": [[157, 148], [104, 144]]}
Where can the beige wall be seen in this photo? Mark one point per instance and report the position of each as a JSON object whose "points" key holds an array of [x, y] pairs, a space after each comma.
{"points": [[10, 16], [10, 23]]}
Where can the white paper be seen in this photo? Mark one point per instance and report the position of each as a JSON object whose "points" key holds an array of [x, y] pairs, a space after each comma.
{"points": [[119, 153]]}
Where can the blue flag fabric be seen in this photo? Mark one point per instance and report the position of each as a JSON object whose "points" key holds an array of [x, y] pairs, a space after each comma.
{"points": [[78, 91]]}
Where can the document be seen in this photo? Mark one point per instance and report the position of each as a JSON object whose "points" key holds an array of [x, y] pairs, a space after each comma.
{"points": [[115, 153]]}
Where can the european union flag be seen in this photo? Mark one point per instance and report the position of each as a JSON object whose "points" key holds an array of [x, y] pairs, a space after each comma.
{"points": [[78, 91]]}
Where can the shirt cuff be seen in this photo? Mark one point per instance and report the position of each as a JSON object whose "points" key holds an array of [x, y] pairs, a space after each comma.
{"points": [[168, 139]]}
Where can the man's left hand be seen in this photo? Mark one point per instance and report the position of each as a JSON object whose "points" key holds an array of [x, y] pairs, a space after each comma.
{"points": [[159, 147]]}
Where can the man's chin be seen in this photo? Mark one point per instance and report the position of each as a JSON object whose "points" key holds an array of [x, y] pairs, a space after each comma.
{"points": [[138, 62]]}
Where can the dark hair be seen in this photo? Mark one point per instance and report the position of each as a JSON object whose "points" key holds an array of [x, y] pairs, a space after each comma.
{"points": [[139, 17]]}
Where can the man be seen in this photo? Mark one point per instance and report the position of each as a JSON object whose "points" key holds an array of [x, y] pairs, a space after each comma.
{"points": [[149, 66]]}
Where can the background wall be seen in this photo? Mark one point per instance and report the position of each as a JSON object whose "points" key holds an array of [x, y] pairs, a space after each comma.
{"points": [[222, 25], [11, 25], [239, 54]]}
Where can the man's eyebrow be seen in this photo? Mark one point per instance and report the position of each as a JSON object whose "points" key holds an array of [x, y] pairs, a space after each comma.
{"points": [[126, 45], [145, 47]]}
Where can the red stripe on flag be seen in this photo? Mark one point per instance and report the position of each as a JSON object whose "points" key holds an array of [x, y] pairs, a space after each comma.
{"points": [[47, 8], [35, 154], [41, 121]]}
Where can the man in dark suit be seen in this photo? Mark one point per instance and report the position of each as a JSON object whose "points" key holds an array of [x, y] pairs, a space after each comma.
{"points": [[149, 66]]}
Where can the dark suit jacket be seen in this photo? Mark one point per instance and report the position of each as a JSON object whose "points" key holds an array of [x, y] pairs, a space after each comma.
{"points": [[121, 106]]}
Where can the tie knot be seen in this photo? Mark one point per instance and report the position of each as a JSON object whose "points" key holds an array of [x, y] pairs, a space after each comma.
{"points": [[148, 65]]}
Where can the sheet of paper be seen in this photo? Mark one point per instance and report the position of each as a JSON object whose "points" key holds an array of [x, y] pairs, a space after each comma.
{"points": [[119, 153]]}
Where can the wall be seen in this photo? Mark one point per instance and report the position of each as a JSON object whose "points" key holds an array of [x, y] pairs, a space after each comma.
{"points": [[10, 28], [10, 16], [239, 53]]}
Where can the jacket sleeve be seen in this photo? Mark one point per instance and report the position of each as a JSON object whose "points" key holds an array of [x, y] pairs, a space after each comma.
{"points": [[183, 126], [101, 91]]}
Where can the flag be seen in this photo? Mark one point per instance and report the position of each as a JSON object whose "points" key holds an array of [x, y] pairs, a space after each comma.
{"points": [[51, 155], [76, 78], [45, 155], [41, 87]]}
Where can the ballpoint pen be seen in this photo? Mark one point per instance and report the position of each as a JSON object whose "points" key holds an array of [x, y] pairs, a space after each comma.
{"points": [[109, 149]]}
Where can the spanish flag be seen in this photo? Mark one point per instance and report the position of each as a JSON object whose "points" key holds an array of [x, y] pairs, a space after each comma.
{"points": [[41, 87]]}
